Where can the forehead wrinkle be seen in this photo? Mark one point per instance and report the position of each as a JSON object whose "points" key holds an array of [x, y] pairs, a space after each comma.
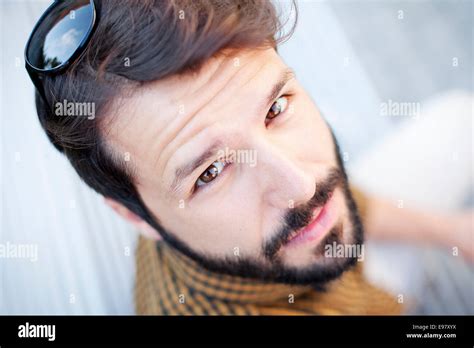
{"points": [[187, 121], [218, 140], [163, 87], [178, 124], [228, 91], [182, 123]]}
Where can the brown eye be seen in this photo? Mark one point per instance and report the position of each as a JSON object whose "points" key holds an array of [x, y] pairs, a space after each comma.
{"points": [[210, 173], [278, 107]]}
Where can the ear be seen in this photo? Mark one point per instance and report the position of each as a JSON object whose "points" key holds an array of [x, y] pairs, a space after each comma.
{"points": [[145, 229]]}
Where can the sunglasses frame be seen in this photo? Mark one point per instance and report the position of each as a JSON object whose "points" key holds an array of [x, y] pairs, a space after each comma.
{"points": [[36, 73]]}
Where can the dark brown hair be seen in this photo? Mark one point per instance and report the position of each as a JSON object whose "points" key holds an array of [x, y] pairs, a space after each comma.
{"points": [[136, 42]]}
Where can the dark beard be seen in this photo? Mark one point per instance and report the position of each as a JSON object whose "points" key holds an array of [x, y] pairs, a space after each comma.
{"points": [[296, 218]]}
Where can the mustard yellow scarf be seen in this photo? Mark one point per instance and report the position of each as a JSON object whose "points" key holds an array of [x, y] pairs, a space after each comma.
{"points": [[169, 283]]}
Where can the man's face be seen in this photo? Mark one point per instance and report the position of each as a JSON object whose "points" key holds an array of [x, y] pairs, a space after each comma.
{"points": [[233, 176]]}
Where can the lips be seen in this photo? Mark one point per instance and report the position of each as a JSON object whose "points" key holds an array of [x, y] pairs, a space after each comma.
{"points": [[323, 218]]}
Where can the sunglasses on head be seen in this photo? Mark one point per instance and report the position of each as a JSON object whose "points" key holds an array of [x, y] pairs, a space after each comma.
{"points": [[59, 39]]}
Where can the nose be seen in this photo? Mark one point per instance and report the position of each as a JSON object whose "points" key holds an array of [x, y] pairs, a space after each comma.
{"points": [[286, 181]]}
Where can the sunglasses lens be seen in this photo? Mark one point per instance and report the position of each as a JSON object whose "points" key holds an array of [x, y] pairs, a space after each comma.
{"points": [[60, 34]]}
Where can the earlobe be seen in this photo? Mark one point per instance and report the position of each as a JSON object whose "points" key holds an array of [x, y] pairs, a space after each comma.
{"points": [[122, 211], [143, 227]]}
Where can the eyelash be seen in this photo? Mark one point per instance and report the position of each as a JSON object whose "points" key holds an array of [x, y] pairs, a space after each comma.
{"points": [[205, 186], [287, 97], [225, 163]]}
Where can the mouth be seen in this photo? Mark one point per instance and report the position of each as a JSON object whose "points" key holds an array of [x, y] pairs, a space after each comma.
{"points": [[322, 221]]}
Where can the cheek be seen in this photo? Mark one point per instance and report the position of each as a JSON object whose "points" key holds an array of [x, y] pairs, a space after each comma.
{"points": [[221, 227]]}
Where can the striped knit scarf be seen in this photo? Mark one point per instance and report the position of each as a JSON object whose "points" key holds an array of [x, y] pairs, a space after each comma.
{"points": [[169, 283]]}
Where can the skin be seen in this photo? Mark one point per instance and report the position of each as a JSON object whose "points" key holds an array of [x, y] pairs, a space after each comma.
{"points": [[168, 122], [171, 121]]}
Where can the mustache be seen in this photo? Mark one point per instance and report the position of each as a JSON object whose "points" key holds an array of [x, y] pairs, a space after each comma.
{"points": [[300, 217]]}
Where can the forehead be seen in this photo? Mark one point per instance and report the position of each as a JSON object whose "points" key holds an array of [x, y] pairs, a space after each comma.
{"points": [[160, 117]]}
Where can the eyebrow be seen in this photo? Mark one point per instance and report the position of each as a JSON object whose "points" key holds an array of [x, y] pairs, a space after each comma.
{"points": [[183, 172], [285, 76]]}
